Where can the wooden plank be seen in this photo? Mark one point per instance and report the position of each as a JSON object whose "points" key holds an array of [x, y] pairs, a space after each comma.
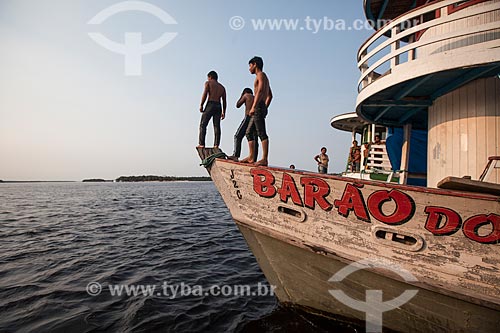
{"points": [[405, 154], [481, 144], [490, 112], [455, 133], [450, 110], [463, 184], [471, 130], [497, 129], [464, 153], [441, 137]]}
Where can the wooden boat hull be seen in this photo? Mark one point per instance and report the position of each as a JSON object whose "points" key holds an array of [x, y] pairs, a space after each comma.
{"points": [[301, 276], [304, 227]]}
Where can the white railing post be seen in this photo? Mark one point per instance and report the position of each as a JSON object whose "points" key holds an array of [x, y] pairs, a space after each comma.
{"points": [[363, 68], [395, 46], [405, 154], [413, 52]]}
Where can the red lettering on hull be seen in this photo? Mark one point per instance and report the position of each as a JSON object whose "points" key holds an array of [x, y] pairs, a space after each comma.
{"points": [[352, 200], [473, 224], [316, 190], [288, 189], [404, 211], [263, 183], [442, 221]]}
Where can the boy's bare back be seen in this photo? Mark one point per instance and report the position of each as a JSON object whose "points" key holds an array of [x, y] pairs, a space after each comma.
{"points": [[215, 90]]}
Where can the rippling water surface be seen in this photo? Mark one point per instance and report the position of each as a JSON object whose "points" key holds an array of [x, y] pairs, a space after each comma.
{"points": [[56, 238]]}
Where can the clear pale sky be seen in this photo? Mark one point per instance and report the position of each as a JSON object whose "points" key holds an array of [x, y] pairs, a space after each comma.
{"points": [[69, 112]]}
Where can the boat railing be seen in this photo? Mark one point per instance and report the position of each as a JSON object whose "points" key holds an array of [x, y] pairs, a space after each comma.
{"points": [[451, 30], [493, 163], [378, 158]]}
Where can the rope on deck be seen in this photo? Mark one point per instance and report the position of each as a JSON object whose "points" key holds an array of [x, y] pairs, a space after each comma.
{"points": [[210, 159]]}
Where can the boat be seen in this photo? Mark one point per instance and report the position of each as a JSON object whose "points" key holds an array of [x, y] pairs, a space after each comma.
{"points": [[391, 254]]}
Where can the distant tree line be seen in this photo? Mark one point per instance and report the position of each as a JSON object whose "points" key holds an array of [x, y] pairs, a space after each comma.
{"points": [[152, 178], [96, 180]]}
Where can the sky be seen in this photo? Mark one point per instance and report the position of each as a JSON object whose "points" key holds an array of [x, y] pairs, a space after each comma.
{"points": [[71, 108]]}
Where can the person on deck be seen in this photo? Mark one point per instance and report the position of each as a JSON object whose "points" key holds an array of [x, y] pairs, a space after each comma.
{"points": [[351, 154], [215, 92], [246, 99], [356, 160], [322, 160], [258, 112], [377, 141]]}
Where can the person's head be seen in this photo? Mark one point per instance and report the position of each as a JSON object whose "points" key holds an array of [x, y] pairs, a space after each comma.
{"points": [[377, 138], [213, 75], [355, 143], [255, 63], [247, 91], [323, 150], [292, 166]]}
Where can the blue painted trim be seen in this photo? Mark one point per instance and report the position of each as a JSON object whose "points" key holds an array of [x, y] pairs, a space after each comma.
{"points": [[408, 115], [384, 111], [382, 9], [410, 87], [368, 10]]}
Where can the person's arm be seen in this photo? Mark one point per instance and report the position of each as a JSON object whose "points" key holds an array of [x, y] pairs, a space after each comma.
{"points": [[242, 100], [269, 97], [204, 96], [224, 104], [316, 159], [258, 92]]}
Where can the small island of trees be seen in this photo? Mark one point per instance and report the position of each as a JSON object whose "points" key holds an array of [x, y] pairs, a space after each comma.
{"points": [[96, 180]]}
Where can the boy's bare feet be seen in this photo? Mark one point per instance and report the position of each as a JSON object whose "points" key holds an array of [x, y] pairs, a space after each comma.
{"points": [[247, 160], [262, 162], [233, 158]]}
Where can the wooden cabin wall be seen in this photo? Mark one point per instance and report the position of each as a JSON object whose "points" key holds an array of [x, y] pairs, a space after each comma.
{"points": [[464, 129], [454, 43]]}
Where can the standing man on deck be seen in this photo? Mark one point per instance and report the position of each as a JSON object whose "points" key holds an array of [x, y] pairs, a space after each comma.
{"points": [[322, 159], [258, 112], [215, 93]]}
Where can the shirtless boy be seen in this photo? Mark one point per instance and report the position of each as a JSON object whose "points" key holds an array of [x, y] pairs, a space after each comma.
{"points": [[258, 112], [247, 100], [215, 93]]}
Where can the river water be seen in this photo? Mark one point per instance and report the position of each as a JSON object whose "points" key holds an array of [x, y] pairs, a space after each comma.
{"points": [[132, 257]]}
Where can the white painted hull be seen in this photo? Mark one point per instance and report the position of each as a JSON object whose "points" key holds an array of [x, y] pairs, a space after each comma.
{"points": [[302, 228]]}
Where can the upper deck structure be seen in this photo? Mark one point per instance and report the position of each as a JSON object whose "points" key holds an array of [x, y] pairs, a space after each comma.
{"points": [[434, 65]]}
